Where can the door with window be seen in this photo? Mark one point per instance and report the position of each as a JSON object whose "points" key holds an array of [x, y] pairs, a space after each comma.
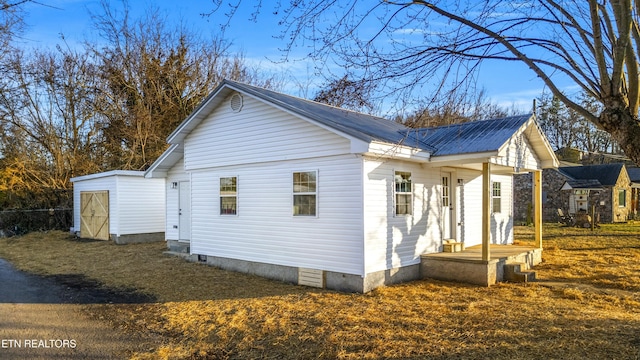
{"points": [[447, 206], [184, 211]]}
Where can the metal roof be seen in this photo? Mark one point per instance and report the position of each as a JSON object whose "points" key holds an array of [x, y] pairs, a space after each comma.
{"points": [[471, 137], [466, 138], [358, 125], [133, 173]]}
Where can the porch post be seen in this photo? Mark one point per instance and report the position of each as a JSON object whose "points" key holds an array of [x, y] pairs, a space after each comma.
{"points": [[537, 207], [486, 211]]}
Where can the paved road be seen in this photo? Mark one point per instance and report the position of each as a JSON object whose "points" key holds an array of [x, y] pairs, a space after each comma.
{"points": [[42, 319]]}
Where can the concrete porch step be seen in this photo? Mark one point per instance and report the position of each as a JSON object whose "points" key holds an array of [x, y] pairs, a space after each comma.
{"points": [[178, 247], [518, 272]]}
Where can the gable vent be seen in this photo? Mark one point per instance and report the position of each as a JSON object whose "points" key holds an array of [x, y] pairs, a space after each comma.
{"points": [[236, 102]]}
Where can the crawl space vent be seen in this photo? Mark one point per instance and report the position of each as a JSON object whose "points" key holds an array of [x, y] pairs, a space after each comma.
{"points": [[236, 102], [311, 277]]}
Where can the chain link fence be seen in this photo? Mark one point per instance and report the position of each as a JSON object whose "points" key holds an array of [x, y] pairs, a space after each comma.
{"points": [[18, 222]]}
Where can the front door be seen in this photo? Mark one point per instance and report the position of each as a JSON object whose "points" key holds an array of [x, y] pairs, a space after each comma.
{"points": [[447, 206], [184, 211], [459, 211]]}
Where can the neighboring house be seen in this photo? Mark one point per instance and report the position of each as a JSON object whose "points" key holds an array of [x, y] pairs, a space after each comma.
{"points": [[286, 188], [119, 205], [575, 189], [634, 176]]}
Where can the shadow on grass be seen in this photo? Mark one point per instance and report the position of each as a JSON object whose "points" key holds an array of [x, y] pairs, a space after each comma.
{"points": [[78, 289], [26, 288]]}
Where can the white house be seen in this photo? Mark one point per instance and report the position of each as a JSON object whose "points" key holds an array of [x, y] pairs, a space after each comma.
{"points": [[270, 184], [119, 205]]}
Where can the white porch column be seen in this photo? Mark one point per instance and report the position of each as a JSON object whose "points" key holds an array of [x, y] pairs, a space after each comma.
{"points": [[537, 208], [486, 211]]}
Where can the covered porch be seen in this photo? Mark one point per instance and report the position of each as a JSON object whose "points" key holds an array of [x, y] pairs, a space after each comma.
{"points": [[512, 147]]}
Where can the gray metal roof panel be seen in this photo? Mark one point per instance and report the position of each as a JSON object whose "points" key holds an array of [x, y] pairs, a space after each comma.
{"points": [[470, 137]]}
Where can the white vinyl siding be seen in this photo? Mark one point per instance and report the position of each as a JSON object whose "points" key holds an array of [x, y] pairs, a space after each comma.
{"points": [[141, 205], [264, 230], [518, 154], [258, 133], [502, 222], [395, 241]]}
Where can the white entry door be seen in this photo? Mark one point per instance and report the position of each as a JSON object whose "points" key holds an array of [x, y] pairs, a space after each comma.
{"points": [[459, 210], [447, 206], [184, 211]]}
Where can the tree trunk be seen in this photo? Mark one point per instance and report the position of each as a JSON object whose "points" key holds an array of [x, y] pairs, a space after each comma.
{"points": [[623, 126]]}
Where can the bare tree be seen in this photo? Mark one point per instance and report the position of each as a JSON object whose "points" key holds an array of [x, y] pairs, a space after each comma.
{"points": [[346, 93], [568, 131], [47, 114], [557, 122], [591, 43], [458, 107], [154, 75]]}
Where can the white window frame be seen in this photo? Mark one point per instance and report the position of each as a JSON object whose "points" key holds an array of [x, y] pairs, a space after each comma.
{"points": [[403, 193], [622, 192], [228, 195], [446, 189], [495, 197], [295, 193]]}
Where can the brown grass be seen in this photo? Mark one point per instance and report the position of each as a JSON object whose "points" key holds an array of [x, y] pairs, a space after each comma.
{"points": [[206, 313], [608, 257]]}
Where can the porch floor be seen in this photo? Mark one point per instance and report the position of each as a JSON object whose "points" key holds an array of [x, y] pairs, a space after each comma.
{"points": [[467, 266]]}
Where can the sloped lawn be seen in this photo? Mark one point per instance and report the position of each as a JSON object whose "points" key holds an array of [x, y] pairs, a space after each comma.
{"points": [[588, 307]]}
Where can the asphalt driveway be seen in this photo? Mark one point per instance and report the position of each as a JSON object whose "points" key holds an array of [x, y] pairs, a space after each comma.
{"points": [[44, 318]]}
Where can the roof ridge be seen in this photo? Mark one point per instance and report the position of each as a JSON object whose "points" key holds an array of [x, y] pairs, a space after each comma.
{"points": [[232, 82]]}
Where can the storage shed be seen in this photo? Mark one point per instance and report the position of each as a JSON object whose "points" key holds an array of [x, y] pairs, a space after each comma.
{"points": [[119, 205]]}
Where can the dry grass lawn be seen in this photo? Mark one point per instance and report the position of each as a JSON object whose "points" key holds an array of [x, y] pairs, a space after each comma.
{"points": [[200, 312]]}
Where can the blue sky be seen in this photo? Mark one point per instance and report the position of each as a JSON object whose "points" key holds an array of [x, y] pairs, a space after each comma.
{"points": [[505, 83]]}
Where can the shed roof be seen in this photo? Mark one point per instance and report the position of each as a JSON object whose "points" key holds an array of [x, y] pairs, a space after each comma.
{"points": [[133, 173], [606, 174]]}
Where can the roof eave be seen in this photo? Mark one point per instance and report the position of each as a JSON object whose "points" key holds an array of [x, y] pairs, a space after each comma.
{"points": [[396, 151], [167, 160]]}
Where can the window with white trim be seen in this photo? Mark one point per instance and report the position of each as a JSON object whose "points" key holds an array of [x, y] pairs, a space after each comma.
{"points": [[622, 197], [229, 195], [403, 193], [496, 197], [305, 193]]}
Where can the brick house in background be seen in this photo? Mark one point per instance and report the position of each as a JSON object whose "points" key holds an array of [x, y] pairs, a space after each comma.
{"points": [[634, 176], [576, 188]]}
